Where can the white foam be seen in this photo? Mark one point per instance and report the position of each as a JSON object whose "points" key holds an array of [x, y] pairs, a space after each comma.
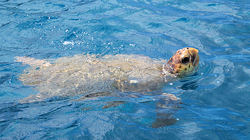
{"points": [[68, 43]]}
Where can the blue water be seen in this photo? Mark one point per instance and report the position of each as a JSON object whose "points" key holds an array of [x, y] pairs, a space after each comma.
{"points": [[215, 100]]}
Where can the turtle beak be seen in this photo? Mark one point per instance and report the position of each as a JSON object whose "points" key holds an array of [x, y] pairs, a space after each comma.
{"points": [[194, 56]]}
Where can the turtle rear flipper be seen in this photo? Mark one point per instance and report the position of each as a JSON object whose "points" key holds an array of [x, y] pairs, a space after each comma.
{"points": [[35, 98], [32, 61], [166, 108]]}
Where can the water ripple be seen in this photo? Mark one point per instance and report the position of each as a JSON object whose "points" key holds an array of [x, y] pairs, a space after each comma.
{"points": [[215, 99]]}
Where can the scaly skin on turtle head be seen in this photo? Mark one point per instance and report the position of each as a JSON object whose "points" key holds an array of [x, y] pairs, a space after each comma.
{"points": [[183, 62]]}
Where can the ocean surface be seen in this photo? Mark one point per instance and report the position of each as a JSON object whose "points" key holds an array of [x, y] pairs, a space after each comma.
{"points": [[215, 100]]}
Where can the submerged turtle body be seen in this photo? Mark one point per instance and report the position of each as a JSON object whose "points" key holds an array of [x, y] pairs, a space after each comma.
{"points": [[94, 76], [88, 74], [83, 74]]}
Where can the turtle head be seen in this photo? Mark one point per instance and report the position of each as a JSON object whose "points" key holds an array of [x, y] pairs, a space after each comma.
{"points": [[183, 62]]}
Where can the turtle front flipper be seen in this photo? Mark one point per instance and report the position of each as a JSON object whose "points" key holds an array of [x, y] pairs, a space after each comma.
{"points": [[166, 107]]}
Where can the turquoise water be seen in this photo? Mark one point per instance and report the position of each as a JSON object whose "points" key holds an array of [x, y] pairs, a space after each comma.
{"points": [[215, 100]]}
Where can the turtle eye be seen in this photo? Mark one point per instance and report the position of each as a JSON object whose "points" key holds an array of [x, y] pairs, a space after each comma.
{"points": [[185, 60]]}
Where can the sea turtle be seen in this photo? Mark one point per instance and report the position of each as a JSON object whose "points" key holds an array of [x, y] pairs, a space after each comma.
{"points": [[94, 76]]}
